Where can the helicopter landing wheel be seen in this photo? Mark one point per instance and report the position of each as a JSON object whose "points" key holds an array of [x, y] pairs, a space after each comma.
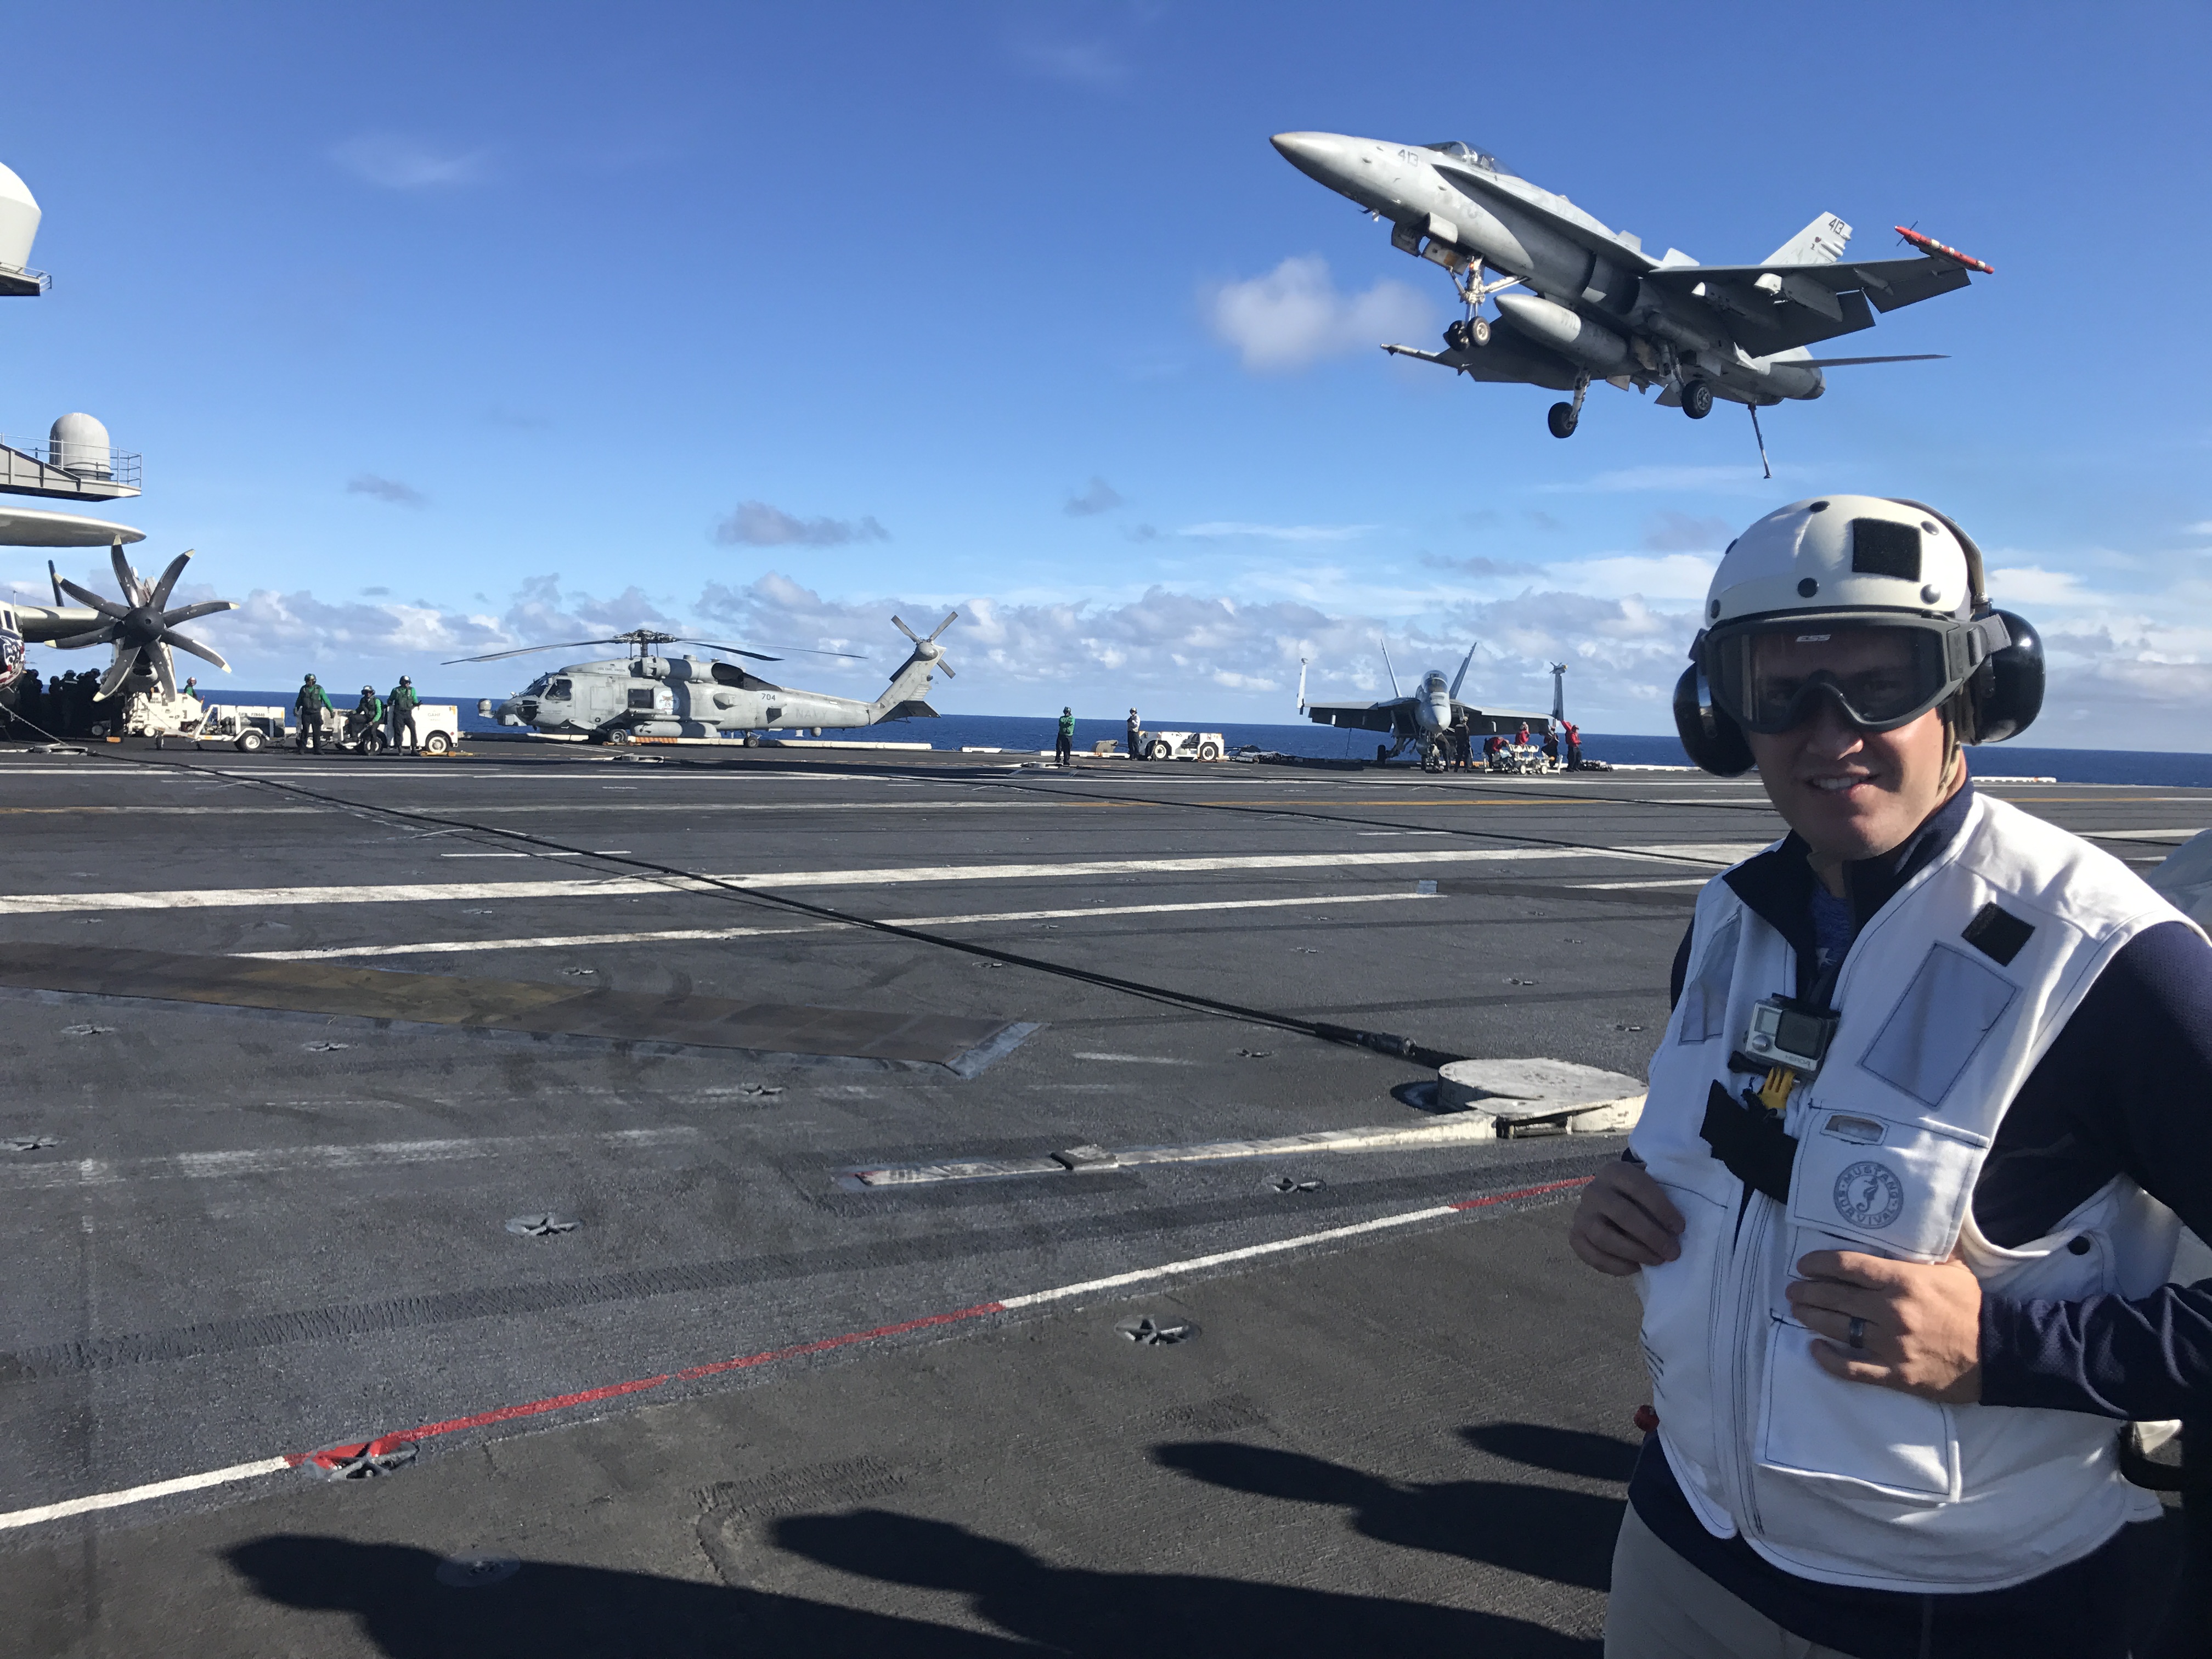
{"points": [[1563, 420]]}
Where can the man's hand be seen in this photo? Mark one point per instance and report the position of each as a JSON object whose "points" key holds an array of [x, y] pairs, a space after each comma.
{"points": [[1624, 1221], [1922, 1325]]}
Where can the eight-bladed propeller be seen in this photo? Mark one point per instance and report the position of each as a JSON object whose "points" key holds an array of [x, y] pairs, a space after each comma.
{"points": [[928, 650], [642, 639], [141, 625]]}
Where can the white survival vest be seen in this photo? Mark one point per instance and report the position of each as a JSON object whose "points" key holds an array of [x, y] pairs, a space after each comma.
{"points": [[1849, 1483]]}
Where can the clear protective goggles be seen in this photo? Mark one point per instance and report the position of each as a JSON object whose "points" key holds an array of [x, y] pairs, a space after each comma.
{"points": [[1769, 675]]}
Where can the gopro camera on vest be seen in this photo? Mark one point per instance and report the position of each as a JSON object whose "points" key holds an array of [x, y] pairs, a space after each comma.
{"points": [[1787, 1032]]}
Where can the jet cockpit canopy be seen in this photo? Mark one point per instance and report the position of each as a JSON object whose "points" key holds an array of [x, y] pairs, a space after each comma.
{"points": [[1469, 154]]}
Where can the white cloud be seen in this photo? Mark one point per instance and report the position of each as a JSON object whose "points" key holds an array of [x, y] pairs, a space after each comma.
{"points": [[1731, 480], [1100, 497], [1170, 648], [2030, 584], [1294, 316], [386, 489], [2201, 527], [1279, 532], [1084, 62], [397, 162], [1653, 576], [756, 524]]}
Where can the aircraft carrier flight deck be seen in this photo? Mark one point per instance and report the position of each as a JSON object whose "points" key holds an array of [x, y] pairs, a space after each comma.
{"points": [[765, 1201]]}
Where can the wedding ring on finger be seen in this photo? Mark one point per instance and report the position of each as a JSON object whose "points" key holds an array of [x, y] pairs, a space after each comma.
{"points": [[1857, 1332]]}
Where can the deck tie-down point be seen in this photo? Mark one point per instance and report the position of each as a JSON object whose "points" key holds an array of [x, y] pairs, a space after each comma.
{"points": [[1148, 1332], [541, 1225], [29, 1143], [475, 1571], [363, 1462]]}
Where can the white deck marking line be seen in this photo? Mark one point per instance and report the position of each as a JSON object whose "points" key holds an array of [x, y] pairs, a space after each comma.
{"points": [[206, 1166], [192, 898], [577, 941], [1634, 886], [1138, 1060], [1474, 1128], [2175, 836], [116, 1500], [1223, 1258]]}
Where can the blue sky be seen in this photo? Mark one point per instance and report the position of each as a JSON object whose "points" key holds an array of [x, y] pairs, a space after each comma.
{"points": [[444, 328]]}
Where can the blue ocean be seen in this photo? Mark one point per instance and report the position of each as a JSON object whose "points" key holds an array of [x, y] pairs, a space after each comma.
{"points": [[1017, 734]]}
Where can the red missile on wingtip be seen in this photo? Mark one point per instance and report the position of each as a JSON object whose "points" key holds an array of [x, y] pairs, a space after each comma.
{"points": [[1930, 245]]}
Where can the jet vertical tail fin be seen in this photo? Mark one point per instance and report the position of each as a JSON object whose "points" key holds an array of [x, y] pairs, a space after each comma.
{"points": [[1820, 243], [1464, 663]]}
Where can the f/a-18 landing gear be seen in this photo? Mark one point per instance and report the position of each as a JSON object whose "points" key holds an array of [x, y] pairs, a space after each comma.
{"points": [[1471, 335], [1697, 399], [1564, 418]]}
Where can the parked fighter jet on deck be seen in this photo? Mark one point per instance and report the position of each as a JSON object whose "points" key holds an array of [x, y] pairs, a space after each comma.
{"points": [[1593, 305], [1426, 718]]}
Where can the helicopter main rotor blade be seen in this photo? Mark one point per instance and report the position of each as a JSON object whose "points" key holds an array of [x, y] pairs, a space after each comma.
{"points": [[106, 607], [205, 653], [524, 650], [169, 579], [716, 644]]}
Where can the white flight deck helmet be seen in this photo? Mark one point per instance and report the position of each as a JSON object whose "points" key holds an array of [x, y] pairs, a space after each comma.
{"points": [[1855, 562]]}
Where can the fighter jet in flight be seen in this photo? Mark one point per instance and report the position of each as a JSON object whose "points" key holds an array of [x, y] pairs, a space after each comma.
{"points": [[1592, 305]]}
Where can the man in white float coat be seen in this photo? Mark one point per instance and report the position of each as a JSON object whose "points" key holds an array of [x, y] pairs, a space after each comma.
{"points": [[1902, 1206]]}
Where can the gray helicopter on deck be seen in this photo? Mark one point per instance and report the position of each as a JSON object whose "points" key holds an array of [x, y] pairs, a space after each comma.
{"points": [[651, 695]]}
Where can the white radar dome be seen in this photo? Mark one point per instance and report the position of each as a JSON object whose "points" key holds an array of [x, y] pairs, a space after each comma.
{"points": [[19, 220], [81, 448]]}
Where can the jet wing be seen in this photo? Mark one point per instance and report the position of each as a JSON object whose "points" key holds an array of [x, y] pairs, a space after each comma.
{"points": [[42, 623], [1555, 211], [1486, 722], [1365, 716], [1771, 308]]}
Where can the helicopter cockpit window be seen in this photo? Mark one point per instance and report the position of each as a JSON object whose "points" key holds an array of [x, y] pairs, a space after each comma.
{"points": [[560, 687], [1473, 157], [535, 686]]}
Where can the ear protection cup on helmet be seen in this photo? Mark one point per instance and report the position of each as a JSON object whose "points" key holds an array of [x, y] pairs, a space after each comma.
{"points": [[2008, 688], [1714, 741]]}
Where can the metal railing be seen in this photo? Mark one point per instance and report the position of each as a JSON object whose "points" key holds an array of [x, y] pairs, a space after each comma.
{"points": [[89, 464], [22, 281]]}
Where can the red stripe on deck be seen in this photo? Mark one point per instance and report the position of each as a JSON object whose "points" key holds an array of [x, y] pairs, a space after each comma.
{"points": [[385, 1442], [1524, 1192], [827, 1343]]}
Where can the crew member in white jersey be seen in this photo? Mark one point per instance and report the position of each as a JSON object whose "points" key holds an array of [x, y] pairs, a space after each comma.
{"points": [[1934, 1102]]}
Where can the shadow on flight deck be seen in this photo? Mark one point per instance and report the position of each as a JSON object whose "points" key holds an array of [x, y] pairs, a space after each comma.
{"points": [[587, 1612], [1544, 1531]]}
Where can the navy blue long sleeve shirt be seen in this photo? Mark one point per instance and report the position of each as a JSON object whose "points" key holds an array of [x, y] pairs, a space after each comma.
{"points": [[2125, 1089]]}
